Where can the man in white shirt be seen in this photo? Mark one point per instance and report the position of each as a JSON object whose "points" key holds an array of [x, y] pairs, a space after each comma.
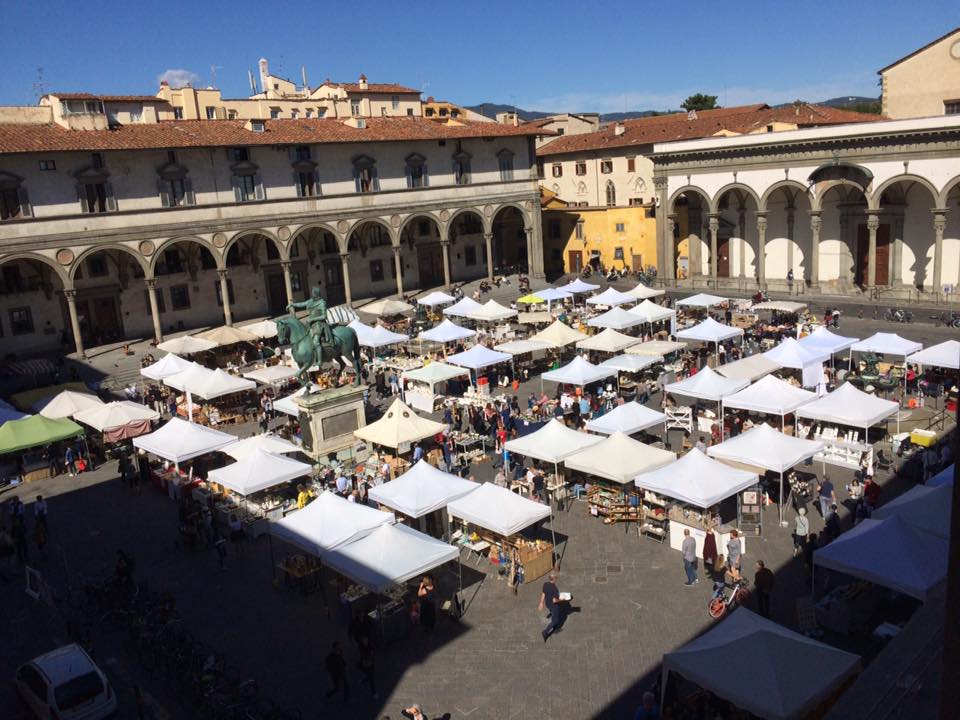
{"points": [[343, 485]]}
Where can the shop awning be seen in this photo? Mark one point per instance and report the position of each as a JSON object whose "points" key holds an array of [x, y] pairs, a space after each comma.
{"points": [[609, 341], [178, 440], [642, 292], [446, 332], [463, 307], [631, 363], [702, 300], [67, 404], [697, 480], [749, 368], [616, 318], [436, 298], [943, 355], [421, 490], [887, 344], [258, 471], [629, 418], [558, 335], [552, 443], [924, 507], [619, 458], [848, 405], [822, 340], [769, 395], [709, 331], [762, 446], [386, 307], [491, 311], [169, 364], [497, 509], [706, 385], [327, 523], [399, 426], [611, 297], [267, 442], [579, 372], [186, 345], [651, 312], [34, 431], [479, 357]]}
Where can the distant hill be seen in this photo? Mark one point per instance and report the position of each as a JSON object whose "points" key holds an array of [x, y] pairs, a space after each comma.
{"points": [[849, 101]]}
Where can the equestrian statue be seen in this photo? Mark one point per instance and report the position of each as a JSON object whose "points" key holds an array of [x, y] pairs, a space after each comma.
{"points": [[317, 342]]}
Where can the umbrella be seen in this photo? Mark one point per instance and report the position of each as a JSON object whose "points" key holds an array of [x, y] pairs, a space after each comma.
{"points": [[186, 345]]}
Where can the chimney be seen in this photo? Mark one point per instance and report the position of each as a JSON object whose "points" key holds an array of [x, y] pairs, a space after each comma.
{"points": [[164, 83], [619, 129], [264, 72], [363, 82]]}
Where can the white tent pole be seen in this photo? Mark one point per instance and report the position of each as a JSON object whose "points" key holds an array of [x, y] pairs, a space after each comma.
{"points": [[460, 585], [189, 406], [781, 498]]}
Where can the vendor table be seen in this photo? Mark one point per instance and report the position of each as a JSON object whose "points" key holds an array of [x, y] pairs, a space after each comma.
{"points": [[301, 571]]}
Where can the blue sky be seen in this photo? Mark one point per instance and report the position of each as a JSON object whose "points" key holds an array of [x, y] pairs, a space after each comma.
{"points": [[575, 56]]}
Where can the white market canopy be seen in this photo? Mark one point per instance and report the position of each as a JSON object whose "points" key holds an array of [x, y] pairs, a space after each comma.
{"points": [[386, 307], [497, 509], [848, 405], [169, 364], [491, 311], [651, 312], [558, 335], [709, 331], [822, 340], [749, 368], [186, 345], [616, 318], [629, 418], [609, 341], [227, 335], [702, 300], [887, 344], [446, 332], [611, 297], [519, 347], [619, 458], [479, 356], [657, 347], [579, 372], [577, 286], [631, 363], [263, 329], [65, 404], [780, 305], [219, 383], [706, 385], [179, 440], [421, 490], [534, 318], [763, 667], [327, 523], [286, 404], [552, 443], [642, 292], [271, 375], [890, 553], [436, 298], [943, 355], [698, 480], [188, 379], [390, 555], [399, 426], [267, 442], [791, 354], [550, 294], [115, 414], [435, 372], [258, 471], [770, 395], [375, 336], [762, 446], [925, 507], [462, 307]]}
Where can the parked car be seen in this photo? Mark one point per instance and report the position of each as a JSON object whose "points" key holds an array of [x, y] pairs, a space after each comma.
{"points": [[65, 684]]}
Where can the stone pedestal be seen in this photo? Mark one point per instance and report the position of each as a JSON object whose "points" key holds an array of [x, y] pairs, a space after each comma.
{"points": [[328, 419]]}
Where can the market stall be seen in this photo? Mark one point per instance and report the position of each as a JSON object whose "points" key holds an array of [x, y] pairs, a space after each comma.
{"points": [[266, 442], [477, 358], [327, 523], [491, 311], [657, 347], [709, 331], [272, 375], [687, 494], [178, 441], [287, 404], [386, 307], [578, 287], [186, 345], [943, 355], [629, 418], [227, 335], [169, 364], [420, 389], [630, 365], [924, 507], [702, 300], [398, 429], [643, 292], [551, 443], [118, 420], [769, 395], [750, 368], [578, 373], [376, 336], [706, 385], [263, 329], [888, 344], [784, 306], [463, 307], [446, 332], [608, 341], [210, 385], [558, 335], [611, 297], [435, 299], [35, 431], [615, 319], [36, 399], [808, 360], [823, 340], [650, 312], [67, 403]]}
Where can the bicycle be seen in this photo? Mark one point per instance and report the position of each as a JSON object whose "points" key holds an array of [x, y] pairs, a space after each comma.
{"points": [[720, 603], [897, 315], [951, 319]]}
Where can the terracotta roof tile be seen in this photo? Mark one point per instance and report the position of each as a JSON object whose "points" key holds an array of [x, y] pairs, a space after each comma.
{"points": [[106, 98], [24, 138], [377, 88]]}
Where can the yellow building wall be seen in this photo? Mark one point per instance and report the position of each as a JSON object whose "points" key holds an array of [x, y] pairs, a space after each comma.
{"points": [[601, 237]]}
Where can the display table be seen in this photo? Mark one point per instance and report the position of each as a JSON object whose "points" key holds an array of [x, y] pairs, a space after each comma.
{"points": [[613, 504], [839, 451]]}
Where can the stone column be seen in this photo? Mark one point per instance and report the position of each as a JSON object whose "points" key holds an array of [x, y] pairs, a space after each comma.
{"points": [[846, 272], [664, 230], [791, 217], [345, 271], [225, 296], [896, 262], [762, 249], [287, 282], [816, 222], [531, 253], [742, 232], [445, 247], [714, 236], [398, 267], [154, 309], [939, 225], [873, 222], [535, 263], [488, 239], [71, 296], [669, 261]]}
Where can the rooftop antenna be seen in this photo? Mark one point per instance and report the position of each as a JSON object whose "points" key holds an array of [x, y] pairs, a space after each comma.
{"points": [[252, 81], [303, 74], [39, 85], [213, 74]]}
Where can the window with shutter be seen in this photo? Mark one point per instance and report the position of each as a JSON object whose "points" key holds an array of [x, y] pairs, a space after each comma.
{"points": [[259, 190], [9, 203]]}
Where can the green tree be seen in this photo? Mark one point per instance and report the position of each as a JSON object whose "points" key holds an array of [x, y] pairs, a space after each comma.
{"points": [[700, 102]]}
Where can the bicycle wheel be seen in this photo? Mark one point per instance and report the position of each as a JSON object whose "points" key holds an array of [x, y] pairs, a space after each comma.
{"points": [[717, 608]]}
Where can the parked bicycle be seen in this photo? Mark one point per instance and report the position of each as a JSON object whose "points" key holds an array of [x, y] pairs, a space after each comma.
{"points": [[947, 319], [720, 602], [898, 315]]}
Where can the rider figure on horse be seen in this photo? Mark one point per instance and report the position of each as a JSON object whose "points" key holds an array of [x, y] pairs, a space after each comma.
{"points": [[316, 317]]}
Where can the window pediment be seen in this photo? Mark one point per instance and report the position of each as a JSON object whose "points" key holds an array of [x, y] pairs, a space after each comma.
{"points": [[304, 166], [245, 167], [172, 171], [362, 162], [92, 175], [415, 159], [9, 181]]}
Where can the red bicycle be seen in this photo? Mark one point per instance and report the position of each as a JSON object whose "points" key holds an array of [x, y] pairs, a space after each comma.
{"points": [[720, 602]]}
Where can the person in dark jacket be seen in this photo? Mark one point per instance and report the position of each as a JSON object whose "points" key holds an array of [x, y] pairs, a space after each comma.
{"points": [[710, 553]]}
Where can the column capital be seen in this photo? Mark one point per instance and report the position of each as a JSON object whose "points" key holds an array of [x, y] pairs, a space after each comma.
{"points": [[714, 222], [660, 182], [151, 283], [761, 222], [873, 221], [222, 273], [345, 257], [286, 264], [396, 249], [70, 294], [815, 213], [488, 236]]}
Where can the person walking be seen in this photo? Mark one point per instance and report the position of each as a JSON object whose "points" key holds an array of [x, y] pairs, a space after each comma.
{"points": [[688, 548], [40, 513], [70, 460], [827, 496], [801, 528], [365, 664], [337, 670], [428, 608], [763, 586], [550, 600], [710, 553], [734, 551]]}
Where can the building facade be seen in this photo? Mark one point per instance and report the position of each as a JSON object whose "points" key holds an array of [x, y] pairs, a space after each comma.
{"points": [[144, 229], [872, 207], [924, 83]]}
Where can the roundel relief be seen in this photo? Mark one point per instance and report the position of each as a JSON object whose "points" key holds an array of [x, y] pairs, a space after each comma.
{"points": [[395, 220], [444, 215], [65, 256], [528, 205], [219, 240], [342, 226], [146, 248], [488, 210], [283, 233]]}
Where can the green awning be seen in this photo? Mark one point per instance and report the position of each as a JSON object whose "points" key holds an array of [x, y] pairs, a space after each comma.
{"points": [[35, 431]]}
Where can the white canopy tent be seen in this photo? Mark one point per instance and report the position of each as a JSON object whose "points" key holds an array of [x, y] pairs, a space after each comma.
{"points": [[925, 507], [446, 332], [462, 307], [619, 458], [578, 372], [552, 443], [169, 364], [749, 368], [769, 395], [534, 318], [709, 331], [763, 667], [497, 509], [762, 446], [66, 404], [848, 405], [376, 336], [629, 418], [616, 319], [702, 300], [697, 479], [650, 312], [389, 555], [227, 335], [267, 442], [577, 287], [791, 354], [286, 404], [706, 385], [642, 292], [263, 329], [399, 426], [631, 363], [780, 305], [258, 471], [887, 344], [943, 355], [491, 311], [421, 490], [436, 298], [611, 297], [186, 345], [478, 357], [386, 307], [219, 383], [550, 294], [519, 347], [115, 414], [657, 347], [890, 553], [271, 375], [435, 372], [558, 335], [822, 340], [186, 380], [178, 440], [327, 523], [609, 341]]}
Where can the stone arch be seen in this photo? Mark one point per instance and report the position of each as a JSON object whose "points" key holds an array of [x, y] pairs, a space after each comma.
{"points": [[419, 215], [734, 186], [508, 226], [348, 236], [517, 206], [218, 256], [246, 233], [948, 188], [781, 185], [708, 201], [816, 200], [307, 227], [65, 278], [873, 199], [471, 210], [144, 264]]}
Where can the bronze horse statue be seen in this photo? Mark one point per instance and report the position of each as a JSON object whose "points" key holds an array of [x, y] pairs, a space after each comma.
{"points": [[306, 353]]}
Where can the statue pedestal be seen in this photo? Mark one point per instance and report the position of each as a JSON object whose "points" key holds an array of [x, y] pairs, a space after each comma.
{"points": [[328, 419]]}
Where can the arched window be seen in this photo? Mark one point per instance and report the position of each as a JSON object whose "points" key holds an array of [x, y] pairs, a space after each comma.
{"points": [[417, 171], [581, 188], [365, 174], [556, 189], [639, 186], [611, 194]]}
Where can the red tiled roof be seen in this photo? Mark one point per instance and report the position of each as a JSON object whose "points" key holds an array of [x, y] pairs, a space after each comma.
{"points": [[24, 138], [107, 98], [377, 88], [707, 123]]}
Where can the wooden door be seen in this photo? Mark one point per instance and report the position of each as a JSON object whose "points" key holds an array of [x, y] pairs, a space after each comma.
{"points": [[430, 265], [106, 318], [882, 256], [276, 293], [575, 261], [723, 257], [334, 291], [637, 263]]}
